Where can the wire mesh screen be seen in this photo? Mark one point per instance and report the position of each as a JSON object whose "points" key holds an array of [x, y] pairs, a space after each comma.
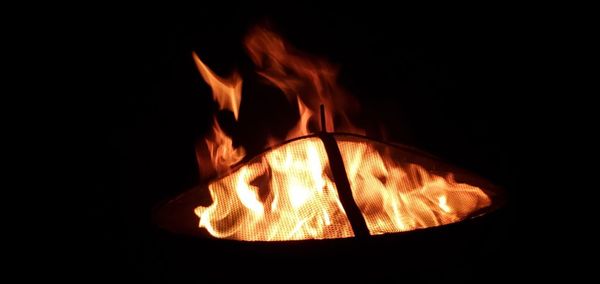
{"points": [[396, 193], [285, 194]]}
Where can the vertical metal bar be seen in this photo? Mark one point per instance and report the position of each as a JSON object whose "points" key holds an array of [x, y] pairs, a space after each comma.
{"points": [[340, 177], [357, 221], [323, 124]]}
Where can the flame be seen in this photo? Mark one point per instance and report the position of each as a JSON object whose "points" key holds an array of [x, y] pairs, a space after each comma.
{"points": [[396, 197], [288, 192], [227, 92], [221, 150], [218, 145], [309, 81], [301, 128], [285, 195]]}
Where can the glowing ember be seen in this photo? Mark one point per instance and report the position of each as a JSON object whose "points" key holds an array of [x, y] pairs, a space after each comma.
{"points": [[289, 192]]}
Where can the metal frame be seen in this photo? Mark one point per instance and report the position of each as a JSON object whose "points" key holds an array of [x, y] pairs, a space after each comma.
{"points": [[176, 215]]}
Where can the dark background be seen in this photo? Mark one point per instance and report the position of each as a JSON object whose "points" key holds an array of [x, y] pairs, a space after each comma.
{"points": [[450, 83]]}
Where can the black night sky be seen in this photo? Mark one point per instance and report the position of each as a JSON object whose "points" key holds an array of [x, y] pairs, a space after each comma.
{"points": [[447, 83]]}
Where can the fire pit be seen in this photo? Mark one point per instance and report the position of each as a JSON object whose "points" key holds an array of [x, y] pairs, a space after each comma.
{"points": [[331, 183]]}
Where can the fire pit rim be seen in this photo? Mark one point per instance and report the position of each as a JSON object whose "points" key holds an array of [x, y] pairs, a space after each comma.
{"points": [[161, 210]]}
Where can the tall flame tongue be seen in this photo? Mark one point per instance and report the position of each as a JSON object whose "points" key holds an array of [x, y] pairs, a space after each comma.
{"points": [[227, 92], [288, 193], [218, 154]]}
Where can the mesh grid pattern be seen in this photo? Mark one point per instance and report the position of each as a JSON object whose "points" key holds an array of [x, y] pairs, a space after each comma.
{"points": [[285, 194], [395, 195]]}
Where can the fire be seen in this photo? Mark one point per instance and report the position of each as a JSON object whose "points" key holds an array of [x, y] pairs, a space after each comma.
{"points": [[396, 197], [218, 145], [227, 92], [308, 81], [301, 128], [289, 193]]}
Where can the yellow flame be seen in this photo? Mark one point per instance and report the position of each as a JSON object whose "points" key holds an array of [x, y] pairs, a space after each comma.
{"points": [[396, 197], [286, 195], [221, 150]]}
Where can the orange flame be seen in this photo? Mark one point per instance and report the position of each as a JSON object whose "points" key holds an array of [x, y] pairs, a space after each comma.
{"points": [[310, 81], [227, 92], [288, 193], [301, 128], [219, 146], [221, 150]]}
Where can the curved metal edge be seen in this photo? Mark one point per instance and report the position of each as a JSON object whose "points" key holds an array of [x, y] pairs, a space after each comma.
{"points": [[170, 215]]}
